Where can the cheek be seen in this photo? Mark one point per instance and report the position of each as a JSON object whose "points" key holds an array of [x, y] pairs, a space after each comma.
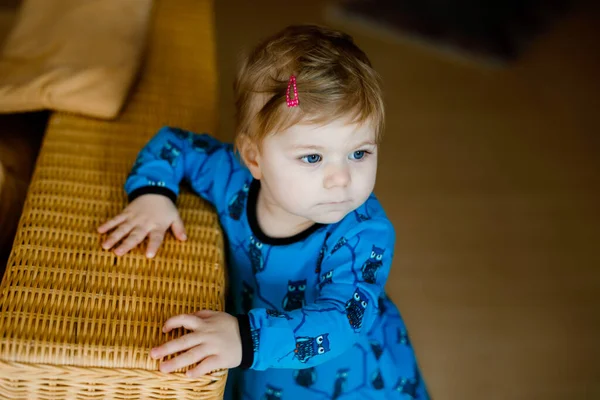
{"points": [[271, 166], [287, 180], [364, 177]]}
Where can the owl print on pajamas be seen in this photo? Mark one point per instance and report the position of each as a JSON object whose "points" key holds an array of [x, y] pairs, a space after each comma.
{"points": [[202, 145], [339, 386], [255, 335], [294, 298], [278, 314], [156, 183], [247, 297], [340, 243], [272, 393], [402, 337], [305, 377], [377, 380], [381, 304], [325, 279], [256, 257], [197, 142], [370, 267], [170, 152], [309, 347], [181, 134], [377, 349], [237, 202], [361, 217], [407, 387], [355, 309], [322, 254]]}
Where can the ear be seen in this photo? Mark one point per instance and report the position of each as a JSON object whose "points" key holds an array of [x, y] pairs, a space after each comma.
{"points": [[250, 154]]}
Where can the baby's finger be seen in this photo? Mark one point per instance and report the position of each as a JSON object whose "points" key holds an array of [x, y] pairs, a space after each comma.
{"points": [[111, 223], [190, 322], [205, 313], [176, 345], [178, 229], [117, 235], [132, 240], [190, 357], [156, 238], [208, 365]]}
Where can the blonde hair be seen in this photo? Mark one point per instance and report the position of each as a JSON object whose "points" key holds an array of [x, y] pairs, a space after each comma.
{"points": [[334, 79]]}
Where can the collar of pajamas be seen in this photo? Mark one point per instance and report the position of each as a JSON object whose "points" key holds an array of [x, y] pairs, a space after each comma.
{"points": [[313, 314]]}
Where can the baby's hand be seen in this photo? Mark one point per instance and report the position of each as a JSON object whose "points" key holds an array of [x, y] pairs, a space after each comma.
{"points": [[215, 342], [148, 215]]}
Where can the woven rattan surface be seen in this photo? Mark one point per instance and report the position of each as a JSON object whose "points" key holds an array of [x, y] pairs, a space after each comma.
{"points": [[76, 321]]}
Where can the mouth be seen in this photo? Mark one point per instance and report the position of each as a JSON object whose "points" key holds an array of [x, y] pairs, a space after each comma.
{"points": [[335, 203]]}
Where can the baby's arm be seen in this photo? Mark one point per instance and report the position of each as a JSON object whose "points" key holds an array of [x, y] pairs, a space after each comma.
{"points": [[174, 155], [152, 186], [345, 309]]}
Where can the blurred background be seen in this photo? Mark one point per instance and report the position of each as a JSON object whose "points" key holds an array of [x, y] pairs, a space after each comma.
{"points": [[490, 171]]}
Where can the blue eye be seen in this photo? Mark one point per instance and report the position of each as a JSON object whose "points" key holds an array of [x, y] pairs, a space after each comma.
{"points": [[311, 159], [357, 155]]}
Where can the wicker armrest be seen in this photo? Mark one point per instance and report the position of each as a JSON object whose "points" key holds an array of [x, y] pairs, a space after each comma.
{"points": [[76, 321]]}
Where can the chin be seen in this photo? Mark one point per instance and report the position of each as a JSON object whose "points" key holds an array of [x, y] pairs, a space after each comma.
{"points": [[330, 217]]}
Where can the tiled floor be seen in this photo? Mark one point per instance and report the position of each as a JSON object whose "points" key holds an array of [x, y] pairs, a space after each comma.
{"points": [[492, 178]]}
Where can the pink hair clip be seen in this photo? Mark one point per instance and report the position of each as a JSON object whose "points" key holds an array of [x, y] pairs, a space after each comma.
{"points": [[292, 102]]}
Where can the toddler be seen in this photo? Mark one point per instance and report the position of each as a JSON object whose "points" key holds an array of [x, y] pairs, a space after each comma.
{"points": [[309, 245]]}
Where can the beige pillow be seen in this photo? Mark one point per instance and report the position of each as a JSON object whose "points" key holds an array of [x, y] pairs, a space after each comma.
{"points": [[78, 56]]}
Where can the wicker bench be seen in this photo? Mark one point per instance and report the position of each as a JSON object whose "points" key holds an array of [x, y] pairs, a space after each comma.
{"points": [[76, 321]]}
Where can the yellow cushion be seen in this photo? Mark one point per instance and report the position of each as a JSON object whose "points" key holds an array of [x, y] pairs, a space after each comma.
{"points": [[73, 55]]}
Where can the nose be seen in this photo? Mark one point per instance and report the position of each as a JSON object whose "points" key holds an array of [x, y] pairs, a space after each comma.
{"points": [[337, 176]]}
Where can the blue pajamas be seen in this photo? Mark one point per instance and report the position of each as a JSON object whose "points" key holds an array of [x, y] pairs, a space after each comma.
{"points": [[314, 318]]}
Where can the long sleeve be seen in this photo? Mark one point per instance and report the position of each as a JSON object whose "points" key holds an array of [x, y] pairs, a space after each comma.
{"points": [[174, 155], [352, 278]]}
